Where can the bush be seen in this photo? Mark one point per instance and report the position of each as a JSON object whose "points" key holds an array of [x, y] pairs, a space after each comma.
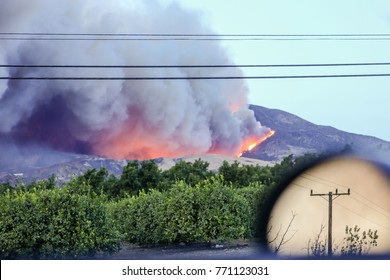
{"points": [[58, 223], [244, 175], [141, 218], [181, 214], [255, 194], [138, 176], [190, 173], [358, 243], [122, 212], [224, 214], [209, 211]]}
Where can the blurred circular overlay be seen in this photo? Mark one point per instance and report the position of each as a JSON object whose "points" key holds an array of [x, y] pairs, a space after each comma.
{"points": [[343, 200]]}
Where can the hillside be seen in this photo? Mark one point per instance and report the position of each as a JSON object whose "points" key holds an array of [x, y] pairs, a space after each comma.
{"points": [[297, 136], [64, 171], [293, 135]]}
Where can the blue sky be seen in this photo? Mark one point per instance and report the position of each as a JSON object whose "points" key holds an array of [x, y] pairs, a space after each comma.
{"points": [[358, 105]]}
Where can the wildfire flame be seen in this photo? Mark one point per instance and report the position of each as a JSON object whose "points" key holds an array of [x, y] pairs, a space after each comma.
{"points": [[254, 142]]}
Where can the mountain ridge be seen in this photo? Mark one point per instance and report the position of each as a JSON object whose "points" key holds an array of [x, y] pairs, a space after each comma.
{"points": [[294, 135], [297, 136]]}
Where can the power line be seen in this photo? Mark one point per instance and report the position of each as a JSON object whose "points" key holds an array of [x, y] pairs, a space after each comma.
{"points": [[350, 210], [199, 66], [125, 39], [196, 34], [369, 206], [60, 36], [197, 77], [355, 192], [300, 186], [327, 180], [358, 201], [188, 39], [346, 208], [319, 182], [377, 205]]}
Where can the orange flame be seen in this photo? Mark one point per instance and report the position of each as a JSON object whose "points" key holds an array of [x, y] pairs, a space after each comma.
{"points": [[141, 144], [253, 143]]}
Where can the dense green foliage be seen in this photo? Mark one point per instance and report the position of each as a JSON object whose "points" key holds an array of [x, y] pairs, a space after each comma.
{"points": [[66, 222], [140, 176], [243, 175], [190, 173], [96, 211], [256, 194], [208, 211]]}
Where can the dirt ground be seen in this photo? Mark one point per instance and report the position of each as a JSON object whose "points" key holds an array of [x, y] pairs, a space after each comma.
{"points": [[240, 249]]}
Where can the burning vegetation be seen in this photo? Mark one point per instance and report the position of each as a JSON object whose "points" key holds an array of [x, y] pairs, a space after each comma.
{"points": [[252, 143]]}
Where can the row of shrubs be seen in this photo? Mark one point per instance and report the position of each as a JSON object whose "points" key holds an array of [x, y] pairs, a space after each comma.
{"points": [[75, 222], [209, 211], [55, 223]]}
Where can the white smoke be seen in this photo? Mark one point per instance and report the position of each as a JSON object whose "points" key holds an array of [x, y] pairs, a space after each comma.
{"points": [[119, 119]]}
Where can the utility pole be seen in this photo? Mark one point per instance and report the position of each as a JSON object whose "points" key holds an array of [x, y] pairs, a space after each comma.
{"points": [[331, 196]]}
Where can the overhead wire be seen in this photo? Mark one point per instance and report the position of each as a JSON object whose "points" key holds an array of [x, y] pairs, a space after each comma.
{"points": [[324, 181], [332, 185], [189, 37], [369, 220], [198, 65], [182, 36], [369, 206], [301, 186], [377, 205], [197, 77], [387, 215], [106, 66], [197, 34], [348, 209], [345, 187]]}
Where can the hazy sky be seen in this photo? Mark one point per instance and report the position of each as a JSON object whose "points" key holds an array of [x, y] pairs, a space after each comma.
{"points": [[358, 105]]}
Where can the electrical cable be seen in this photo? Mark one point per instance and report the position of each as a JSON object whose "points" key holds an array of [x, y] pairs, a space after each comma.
{"points": [[354, 212], [199, 66], [196, 77], [61, 36], [387, 215]]}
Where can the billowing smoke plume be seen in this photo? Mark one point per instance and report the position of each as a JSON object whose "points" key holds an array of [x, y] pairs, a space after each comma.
{"points": [[119, 119]]}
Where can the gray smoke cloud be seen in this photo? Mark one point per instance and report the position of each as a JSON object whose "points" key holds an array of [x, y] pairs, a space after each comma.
{"points": [[119, 119]]}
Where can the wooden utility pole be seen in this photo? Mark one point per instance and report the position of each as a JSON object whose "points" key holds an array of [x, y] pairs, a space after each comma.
{"points": [[331, 196]]}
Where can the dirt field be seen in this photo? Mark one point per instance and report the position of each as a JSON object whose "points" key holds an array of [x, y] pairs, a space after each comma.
{"points": [[234, 250]]}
